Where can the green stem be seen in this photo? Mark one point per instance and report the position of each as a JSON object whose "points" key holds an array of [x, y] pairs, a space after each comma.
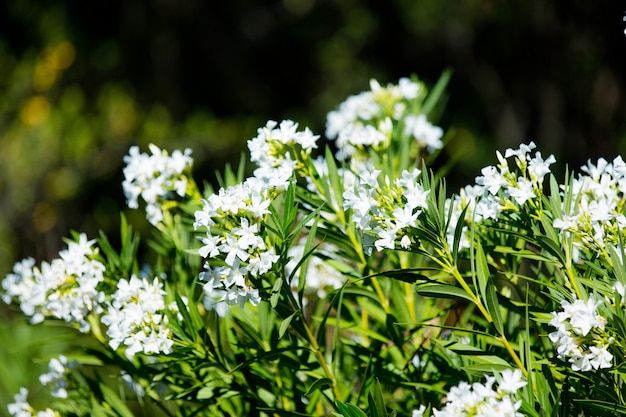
{"points": [[452, 269], [320, 358]]}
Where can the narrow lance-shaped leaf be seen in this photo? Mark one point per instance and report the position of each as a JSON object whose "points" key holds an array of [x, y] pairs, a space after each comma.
{"points": [[114, 401], [436, 92], [285, 324], [376, 402], [276, 292], [493, 307], [444, 291], [319, 384], [290, 208], [308, 248], [481, 270], [335, 181], [458, 232], [350, 410]]}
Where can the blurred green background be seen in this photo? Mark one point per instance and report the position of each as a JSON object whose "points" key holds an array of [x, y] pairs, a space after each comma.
{"points": [[80, 82]]}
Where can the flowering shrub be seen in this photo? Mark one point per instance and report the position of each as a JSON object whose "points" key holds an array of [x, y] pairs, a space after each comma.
{"points": [[344, 281]]}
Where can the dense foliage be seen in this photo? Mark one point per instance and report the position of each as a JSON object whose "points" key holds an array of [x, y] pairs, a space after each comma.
{"points": [[345, 280]]}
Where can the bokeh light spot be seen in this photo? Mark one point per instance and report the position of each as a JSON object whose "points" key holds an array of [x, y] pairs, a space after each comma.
{"points": [[34, 111]]}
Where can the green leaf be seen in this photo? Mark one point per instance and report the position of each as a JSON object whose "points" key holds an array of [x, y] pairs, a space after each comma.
{"points": [[115, 402], [493, 307], [290, 208], [335, 181], [410, 275], [521, 253], [97, 410], [481, 271], [110, 254], [458, 231], [301, 223], [308, 249], [188, 322], [205, 393], [486, 368], [437, 92], [318, 385], [130, 244], [376, 402], [285, 324], [350, 410], [444, 291], [618, 263], [276, 224], [609, 407], [276, 292]]}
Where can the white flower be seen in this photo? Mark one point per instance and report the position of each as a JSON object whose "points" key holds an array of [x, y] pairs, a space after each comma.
{"points": [[156, 178], [511, 381], [361, 203], [386, 237], [600, 357], [481, 399], [416, 197], [136, 317], [582, 315], [404, 216], [248, 235], [427, 135], [58, 368], [232, 250], [522, 191], [211, 244], [492, 179], [263, 262], [538, 168], [565, 223], [521, 152], [575, 342], [419, 412], [408, 88], [273, 150], [21, 407], [65, 288]]}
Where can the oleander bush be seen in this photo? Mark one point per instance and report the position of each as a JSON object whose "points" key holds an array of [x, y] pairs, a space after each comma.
{"points": [[343, 280]]}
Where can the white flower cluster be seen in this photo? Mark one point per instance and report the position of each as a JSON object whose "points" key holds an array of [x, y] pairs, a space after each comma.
{"points": [[580, 338], [465, 400], [500, 188], [367, 120], [137, 317], [22, 408], [388, 211], [156, 178], [234, 243], [65, 288], [58, 368], [596, 218], [277, 149]]}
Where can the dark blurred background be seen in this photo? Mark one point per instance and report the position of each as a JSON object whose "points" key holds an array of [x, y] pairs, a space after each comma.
{"points": [[82, 81]]}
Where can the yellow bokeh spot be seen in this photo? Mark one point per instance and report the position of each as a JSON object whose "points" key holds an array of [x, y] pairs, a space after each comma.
{"points": [[44, 76], [63, 55], [50, 62], [34, 111]]}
